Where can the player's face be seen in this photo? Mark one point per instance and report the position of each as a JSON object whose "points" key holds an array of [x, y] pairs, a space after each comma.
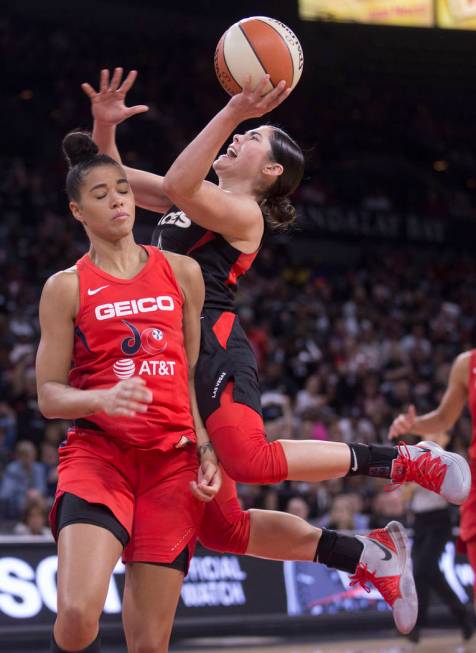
{"points": [[247, 156], [106, 207]]}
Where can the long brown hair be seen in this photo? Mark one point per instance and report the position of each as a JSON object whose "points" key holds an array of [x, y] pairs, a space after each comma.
{"points": [[277, 208]]}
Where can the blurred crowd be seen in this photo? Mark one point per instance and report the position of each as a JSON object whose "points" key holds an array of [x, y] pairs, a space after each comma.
{"points": [[341, 351]]}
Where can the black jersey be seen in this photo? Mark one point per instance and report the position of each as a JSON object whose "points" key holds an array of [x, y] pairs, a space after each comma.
{"points": [[221, 263]]}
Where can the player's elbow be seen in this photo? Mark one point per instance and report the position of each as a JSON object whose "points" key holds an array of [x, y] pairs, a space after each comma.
{"points": [[176, 186], [171, 186], [45, 405], [45, 409]]}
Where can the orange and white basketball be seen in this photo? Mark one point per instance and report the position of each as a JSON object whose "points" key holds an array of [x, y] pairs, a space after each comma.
{"points": [[255, 47]]}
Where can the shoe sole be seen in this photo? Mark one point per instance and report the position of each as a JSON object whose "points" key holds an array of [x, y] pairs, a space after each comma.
{"points": [[458, 463], [405, 609]]}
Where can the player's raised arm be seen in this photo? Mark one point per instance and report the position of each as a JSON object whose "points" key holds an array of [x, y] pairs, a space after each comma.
{"points": [[236, 214], [56, 398], [109, 110], [444, 417]]}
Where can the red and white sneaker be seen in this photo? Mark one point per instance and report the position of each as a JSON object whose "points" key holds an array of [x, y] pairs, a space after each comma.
{"points": [[433, 468], [385, 563]]}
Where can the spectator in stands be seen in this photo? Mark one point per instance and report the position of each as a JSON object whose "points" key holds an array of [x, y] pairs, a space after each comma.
{"points": [[299, 507], [49, 460], [23, 479], [34, 521], [387, 506]]}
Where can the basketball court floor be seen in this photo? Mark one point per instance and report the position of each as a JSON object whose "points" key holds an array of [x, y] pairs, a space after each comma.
{"points": [[431, 642], [435, 641]]}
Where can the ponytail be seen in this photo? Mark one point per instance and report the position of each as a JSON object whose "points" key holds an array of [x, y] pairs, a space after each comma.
{"points": [[278, 212], [276, 206], [81, 154]]}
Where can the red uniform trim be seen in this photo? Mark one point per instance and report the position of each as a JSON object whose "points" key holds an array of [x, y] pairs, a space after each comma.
{"points": [[223, 326], [206, 238], [239, 267]]}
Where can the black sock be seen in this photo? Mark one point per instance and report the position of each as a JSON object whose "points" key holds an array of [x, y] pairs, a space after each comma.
{"points": [[339, 551], [372, 459], [94, 647]]}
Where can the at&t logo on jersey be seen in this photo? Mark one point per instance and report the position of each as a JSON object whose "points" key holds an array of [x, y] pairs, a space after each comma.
{"points": [[134, 306], [177, 218], [124, 368]]}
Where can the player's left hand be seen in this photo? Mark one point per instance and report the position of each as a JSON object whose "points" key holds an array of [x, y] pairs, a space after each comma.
{"points": [[208, 483], [108, 106], [251, 103]]}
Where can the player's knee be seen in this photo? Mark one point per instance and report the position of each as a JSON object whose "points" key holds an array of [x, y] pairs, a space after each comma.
{"points": [[77, 622], [261, 465], [157, 644], [232, 536]]}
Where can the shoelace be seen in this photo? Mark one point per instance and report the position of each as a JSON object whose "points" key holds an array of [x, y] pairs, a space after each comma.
{"points": [[426, 471], [388, 586], [362, 576]]}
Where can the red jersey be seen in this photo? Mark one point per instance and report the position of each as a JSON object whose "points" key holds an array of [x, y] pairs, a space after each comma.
{"points": [[468, 509], [472, 401], [133, 327]]}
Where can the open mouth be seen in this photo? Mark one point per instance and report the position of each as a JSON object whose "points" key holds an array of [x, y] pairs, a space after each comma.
{"points": [[231, 154]]}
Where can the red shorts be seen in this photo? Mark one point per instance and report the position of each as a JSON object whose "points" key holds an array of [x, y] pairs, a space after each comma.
{"points": [[146, 490]]}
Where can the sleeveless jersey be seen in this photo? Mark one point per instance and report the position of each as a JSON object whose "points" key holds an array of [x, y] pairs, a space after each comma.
{"points": [[468, 509], [221, 263], [133, 327], [472, 402]]}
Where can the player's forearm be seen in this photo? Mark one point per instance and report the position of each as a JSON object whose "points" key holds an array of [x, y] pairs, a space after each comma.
{"points": [[203, 441], [104, 135], [146, 186], [435, 422], [200, 429], [57, 400], [192, 166]]}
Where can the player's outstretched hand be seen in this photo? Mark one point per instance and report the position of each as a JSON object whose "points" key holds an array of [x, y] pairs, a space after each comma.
{"points": [[108, 106], [253, 104], [402, 424], [208, 483], [126, 398]]}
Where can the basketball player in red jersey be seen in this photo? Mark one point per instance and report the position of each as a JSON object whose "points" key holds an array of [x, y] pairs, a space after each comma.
{"points": [[221, 226], [129, 318], [461, 389]]}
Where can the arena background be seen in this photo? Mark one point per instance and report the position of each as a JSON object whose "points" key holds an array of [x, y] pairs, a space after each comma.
{"points": [[355, 314]]}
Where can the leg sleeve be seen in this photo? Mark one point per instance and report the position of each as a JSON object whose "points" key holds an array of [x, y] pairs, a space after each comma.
{"points": [[239, 439], [225, 526]]}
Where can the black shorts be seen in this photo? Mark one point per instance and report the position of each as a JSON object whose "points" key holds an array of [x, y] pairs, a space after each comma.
{"points": [[225, 355], [74, 510]]}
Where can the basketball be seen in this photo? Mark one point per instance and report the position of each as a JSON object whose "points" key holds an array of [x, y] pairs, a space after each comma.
{"points": [[255, 47]]}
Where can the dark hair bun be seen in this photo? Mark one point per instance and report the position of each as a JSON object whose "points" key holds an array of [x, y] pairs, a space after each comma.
{"points": [[79, 147], [278, 212]]}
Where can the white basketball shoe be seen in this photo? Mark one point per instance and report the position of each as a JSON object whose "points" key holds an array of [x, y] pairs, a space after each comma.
{"points": [[433, 468], [385, 562]]}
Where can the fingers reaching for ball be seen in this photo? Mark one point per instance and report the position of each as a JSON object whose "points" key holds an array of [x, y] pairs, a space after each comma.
{"points": [[252, 103]]}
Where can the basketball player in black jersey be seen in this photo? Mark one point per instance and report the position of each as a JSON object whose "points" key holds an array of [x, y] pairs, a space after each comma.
{"points": [[221, 226]]}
